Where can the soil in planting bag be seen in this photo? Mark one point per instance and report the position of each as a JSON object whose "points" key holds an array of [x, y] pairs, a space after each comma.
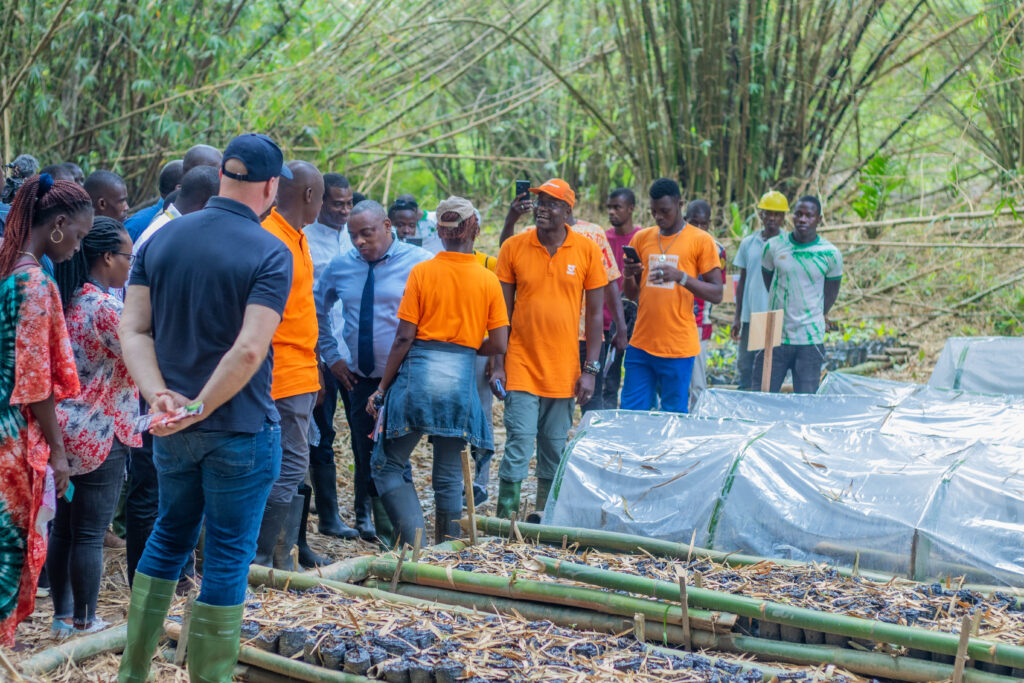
{"points": [[984, 364]]}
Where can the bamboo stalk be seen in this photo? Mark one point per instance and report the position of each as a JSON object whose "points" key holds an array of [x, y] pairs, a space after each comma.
{"points": [[629, 543], [75, 650], [800, 617], [869, 663], [351, 570], [928, 245], [549, 592], [919, 220]]}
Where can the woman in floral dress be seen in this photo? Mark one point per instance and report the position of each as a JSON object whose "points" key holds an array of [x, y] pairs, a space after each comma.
{"points": [[37, 369], [97, 425]]}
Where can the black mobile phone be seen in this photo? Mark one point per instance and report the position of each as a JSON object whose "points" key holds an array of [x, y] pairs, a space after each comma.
{"points": [[522, 186], [415, 241], [631, 254]]}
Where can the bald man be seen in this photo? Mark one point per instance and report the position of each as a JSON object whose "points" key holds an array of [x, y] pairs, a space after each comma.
{"points": [[109, 194], [296, 379], [200, 155]]}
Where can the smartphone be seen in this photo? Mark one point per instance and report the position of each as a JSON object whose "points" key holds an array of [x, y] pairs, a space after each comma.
{"points": [[70, 493], [631, 253], [415, 241], [500, 389], [522, 186]]}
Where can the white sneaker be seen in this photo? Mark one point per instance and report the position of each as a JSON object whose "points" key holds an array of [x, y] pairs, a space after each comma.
{"points": [[98, 624]]}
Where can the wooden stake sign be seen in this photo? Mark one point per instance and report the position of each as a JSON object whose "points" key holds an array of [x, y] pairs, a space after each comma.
{"points": [[765, 333]]}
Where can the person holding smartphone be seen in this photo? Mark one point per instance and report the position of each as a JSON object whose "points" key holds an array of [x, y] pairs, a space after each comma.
{"points": [[544, 274], [428, 387], [664, 274]]}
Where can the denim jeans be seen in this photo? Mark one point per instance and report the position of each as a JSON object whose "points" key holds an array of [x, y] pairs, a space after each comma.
{"points": [[648, 375], [482, 456], [226, 477], [75, 555], [447, 472], [533, 419], [745, 362], [804, 360]]}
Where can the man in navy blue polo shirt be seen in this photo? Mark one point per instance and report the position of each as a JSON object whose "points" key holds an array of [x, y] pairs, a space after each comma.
{"points": [[203, 302]]}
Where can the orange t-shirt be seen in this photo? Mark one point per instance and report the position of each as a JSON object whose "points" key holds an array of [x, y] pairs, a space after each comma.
{"points": [[543, 349], [450, 298], [665, 325], [295, 361]]}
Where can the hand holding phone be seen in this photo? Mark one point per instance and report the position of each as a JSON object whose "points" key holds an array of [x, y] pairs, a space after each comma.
{"points": [[522, 187], [631, 253]]}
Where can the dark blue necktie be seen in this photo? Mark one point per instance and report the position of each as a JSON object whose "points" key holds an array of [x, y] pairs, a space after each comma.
{"points": [[366, 361]]}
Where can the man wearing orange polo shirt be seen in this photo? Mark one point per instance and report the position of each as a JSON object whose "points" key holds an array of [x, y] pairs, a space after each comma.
{"points": [[544, 275], [665, 341], [296, 379]]}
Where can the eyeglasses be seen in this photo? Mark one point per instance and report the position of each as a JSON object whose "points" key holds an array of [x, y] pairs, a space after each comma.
{"points": [[131, 256]]}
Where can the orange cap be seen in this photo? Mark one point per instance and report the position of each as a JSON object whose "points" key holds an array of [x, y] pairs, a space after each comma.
{"points": [[557, 188]]}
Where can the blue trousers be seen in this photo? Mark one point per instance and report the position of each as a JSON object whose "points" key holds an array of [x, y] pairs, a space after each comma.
{"points": [[648, 376], [226, 478]]}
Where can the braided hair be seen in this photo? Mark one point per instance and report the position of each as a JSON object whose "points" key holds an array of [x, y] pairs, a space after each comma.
{"points": [[105, 237], [461, 231], [38, 200]]}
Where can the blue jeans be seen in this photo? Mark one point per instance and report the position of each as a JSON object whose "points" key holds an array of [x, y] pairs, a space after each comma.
{"points": [[647, 376], [446, 478], [226, 477]]}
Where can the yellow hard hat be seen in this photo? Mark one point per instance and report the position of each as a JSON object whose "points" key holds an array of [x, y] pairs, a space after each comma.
{"points": [[773, 200]]}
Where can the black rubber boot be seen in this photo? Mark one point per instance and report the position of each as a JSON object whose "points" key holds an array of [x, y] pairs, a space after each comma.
{"points": [[446, 526], [324, 479], [307, 558], [403, 507], [289, 536], [274, 517], [363, 505]]}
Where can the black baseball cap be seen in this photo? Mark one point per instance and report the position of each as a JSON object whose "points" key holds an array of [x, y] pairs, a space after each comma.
{"points": [[261, 155]]}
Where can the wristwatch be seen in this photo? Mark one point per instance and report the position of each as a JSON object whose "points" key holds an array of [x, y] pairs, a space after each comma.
{"points": [[378, 400], [592, 367], [683, 280]]}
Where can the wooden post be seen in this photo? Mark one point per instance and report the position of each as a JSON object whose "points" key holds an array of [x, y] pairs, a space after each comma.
{"points": [[639, 628], [416, 545], [766, 334], [685, 622], [398, 568], [467, 476], [181, 650], [766, 370], [961, 649]]}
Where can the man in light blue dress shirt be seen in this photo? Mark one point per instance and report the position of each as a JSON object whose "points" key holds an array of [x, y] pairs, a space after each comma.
{"points": [[374, 271], [328, 238]]}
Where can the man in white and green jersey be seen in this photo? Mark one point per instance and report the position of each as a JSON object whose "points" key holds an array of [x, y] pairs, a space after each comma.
{"points": [[802, 272]]}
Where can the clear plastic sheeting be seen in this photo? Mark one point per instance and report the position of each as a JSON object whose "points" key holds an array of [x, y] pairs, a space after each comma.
{"points": [[983, 364], [911, 479], [837, 410]]}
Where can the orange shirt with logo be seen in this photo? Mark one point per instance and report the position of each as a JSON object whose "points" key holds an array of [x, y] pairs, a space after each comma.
{"points": [[295, 360], [543, 350], [665, 325], [450, 298]]}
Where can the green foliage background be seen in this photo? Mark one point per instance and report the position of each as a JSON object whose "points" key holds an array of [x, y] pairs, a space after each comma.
{"points": [[883, 108]]}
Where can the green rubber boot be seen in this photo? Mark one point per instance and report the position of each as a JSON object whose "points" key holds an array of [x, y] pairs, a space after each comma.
{"points": [[382, 523], [149, 603], [508, 499], [213, 642]]}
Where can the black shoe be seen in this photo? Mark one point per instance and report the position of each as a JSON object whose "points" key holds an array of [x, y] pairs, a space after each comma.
{"points": [[274, 517], [307, 558], [323, 477], [365, 510]]}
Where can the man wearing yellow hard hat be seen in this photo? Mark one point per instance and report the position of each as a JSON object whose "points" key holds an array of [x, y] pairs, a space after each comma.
{"points": [[751, 294]]}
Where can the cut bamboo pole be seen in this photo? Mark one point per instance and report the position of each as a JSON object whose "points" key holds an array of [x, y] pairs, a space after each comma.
{"points": [[867, 663], [961, 649], [549, 592], [631, 544], [352, 570], [75, 650], [467, 478], [685, 619], [800, 617]]}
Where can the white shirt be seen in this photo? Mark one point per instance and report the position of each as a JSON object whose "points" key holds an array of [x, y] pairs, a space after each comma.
{"points": [[325, 243], [159, 221]]}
